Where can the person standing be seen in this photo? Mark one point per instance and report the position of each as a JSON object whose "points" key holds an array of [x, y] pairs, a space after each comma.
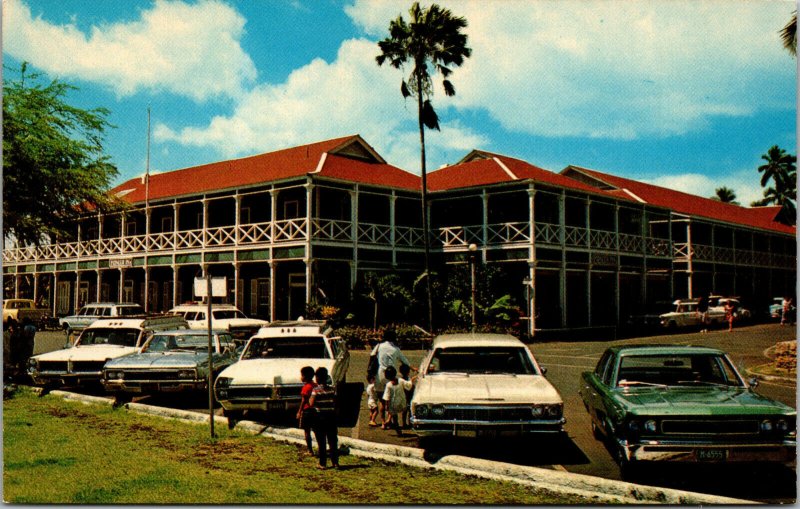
{"points": [[305, 415], [323, 401], [394, 397], [388, 355], [702, 310], [729, 314]]}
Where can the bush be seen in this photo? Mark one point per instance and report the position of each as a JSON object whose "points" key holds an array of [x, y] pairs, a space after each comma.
{"points": [[409, 337]]}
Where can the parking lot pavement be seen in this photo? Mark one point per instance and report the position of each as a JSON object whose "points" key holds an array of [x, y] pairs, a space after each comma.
{"points": [[579, 452]]}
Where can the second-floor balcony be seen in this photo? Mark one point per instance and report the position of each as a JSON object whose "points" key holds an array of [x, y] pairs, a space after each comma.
{"points": [[451, 238]]}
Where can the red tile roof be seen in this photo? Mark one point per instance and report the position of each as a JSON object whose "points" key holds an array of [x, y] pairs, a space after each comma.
{"points": [[479, 172], [269, 167], [689, 204], [353, 170]]}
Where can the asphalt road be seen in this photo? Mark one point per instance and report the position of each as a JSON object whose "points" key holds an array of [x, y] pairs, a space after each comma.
{"points": [[578, 451]]}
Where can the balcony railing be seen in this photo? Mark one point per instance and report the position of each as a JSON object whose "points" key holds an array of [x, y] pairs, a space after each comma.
{"points": [[455, 237]]}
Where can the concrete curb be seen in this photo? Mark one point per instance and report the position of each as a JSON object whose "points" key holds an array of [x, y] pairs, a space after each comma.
{"points": [[784, 380], [596, 489]]}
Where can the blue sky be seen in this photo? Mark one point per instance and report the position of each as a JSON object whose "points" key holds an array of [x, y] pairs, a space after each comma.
{"points": [[686, 94]]}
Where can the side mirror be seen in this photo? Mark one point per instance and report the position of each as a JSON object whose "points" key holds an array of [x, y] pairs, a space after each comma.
{"points": [[544, 370], [753, 382]]}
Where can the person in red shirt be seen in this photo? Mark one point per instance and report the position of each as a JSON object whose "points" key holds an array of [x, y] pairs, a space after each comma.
{"points": [[305, 418]]}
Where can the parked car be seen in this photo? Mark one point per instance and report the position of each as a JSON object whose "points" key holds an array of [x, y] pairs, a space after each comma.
{"points": [[683, 404], [19, 310], [483, 385], [224, 316], [686, 314], [90, 313], [170, 361], [776, 308], [739, 312], [100, 342], [267, 374]]}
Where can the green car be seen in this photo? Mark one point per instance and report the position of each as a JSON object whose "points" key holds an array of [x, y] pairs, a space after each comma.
{"points": [[683, 404]]}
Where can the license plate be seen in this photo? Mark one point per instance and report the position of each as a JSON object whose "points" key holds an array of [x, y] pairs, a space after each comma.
{"points": [[487, 433], [711, 454], [276, 405]]}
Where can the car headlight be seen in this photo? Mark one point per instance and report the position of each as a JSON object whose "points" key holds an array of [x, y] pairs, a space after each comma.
{"points": [[537, 411], [421, 411], [437, 411], [115, 375], [782, 425], [650, 426], [223, 382], [33, 363], [766, 425], [553, 411], [633, 426], [186, 374]]}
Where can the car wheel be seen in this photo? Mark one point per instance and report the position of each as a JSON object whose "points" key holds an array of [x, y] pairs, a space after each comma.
{"points": [[233, 416]]}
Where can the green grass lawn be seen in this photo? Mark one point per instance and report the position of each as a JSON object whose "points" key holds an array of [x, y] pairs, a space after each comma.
{"points": [[66, 452]]}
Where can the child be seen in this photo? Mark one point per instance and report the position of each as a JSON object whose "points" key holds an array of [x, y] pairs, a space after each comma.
{"points": [[395, 398], [304, 413], [408, 385], [372, 400]]}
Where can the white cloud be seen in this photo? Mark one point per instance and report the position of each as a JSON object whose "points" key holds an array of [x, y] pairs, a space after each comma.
{"points": [[191, 50], [745, 184], [613, 69], [326, 100]]}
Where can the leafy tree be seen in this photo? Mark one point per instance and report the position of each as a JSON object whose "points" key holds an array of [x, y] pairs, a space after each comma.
{"points": [[781, 169], [725, 195], [387, 291], [431, 42], [789, 34], [53, 163]]}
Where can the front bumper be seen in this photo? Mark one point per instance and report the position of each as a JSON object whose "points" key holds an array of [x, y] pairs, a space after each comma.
{"points": [[274, 398], [153, 386], [701, 452], [476, 428], [65, 379]]}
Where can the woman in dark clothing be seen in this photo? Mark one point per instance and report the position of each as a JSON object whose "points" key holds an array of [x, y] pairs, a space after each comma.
{"points": [[323, 400]]}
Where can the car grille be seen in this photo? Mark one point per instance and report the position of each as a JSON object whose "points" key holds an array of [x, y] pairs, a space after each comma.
{"points": [[245, 393], [710, 427], [151, 375], [60, 366], [462, 413], [73, 367]]}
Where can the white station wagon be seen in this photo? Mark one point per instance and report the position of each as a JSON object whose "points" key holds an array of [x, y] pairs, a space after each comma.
{"points": [[100, 342], [483, 385], [267, 375], [224, 317]]}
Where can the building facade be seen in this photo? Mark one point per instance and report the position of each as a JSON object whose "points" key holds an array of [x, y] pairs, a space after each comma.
{"points": [[305, 224]]}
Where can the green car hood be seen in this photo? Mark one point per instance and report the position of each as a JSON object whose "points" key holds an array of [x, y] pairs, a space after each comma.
{"points": [[659, 401]]}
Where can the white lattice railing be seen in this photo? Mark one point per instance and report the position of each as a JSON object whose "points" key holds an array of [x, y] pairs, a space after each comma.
{"points": [[546, 233], [505, 233], [374, 233], [221, 236], [332, 229], [575, 236], [657, 247], [600, 239], [255, 233], [460, 235], [289, 230], [408, 236]]}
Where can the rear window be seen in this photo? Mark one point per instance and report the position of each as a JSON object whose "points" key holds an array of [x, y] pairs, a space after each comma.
{"points": [[312, 347], [129, 310], [109, 336]]}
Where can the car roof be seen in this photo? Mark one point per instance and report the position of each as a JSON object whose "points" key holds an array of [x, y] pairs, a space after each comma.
{"points": [[118, 304], [204, 306], [665, 350], [192, 332], [475, 339]]}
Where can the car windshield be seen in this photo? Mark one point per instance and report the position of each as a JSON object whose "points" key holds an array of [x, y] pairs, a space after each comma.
{"points": [[484, 360], [312, 347], [130, 310], [167, 342], [109, 336], [227, 314], [676, 370]]}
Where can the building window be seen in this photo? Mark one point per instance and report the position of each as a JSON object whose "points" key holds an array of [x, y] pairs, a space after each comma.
{"points": [[244, 215], [291, 209], [166, 224], [130, 228]]}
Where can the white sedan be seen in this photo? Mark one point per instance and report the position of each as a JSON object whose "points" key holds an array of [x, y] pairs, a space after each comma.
{"points": [[483, 385]]}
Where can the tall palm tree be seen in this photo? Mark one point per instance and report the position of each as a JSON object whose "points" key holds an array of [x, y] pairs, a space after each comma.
{"points": [[725, 195], [789, 35], [431, 42], [781, 168]]}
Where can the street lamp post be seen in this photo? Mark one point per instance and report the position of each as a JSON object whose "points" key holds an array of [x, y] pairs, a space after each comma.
{"points": [[472, 249], [527, 282]]}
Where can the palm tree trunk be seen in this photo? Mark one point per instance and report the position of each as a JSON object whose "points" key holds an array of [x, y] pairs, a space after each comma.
{"points": [[425, 232]]}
